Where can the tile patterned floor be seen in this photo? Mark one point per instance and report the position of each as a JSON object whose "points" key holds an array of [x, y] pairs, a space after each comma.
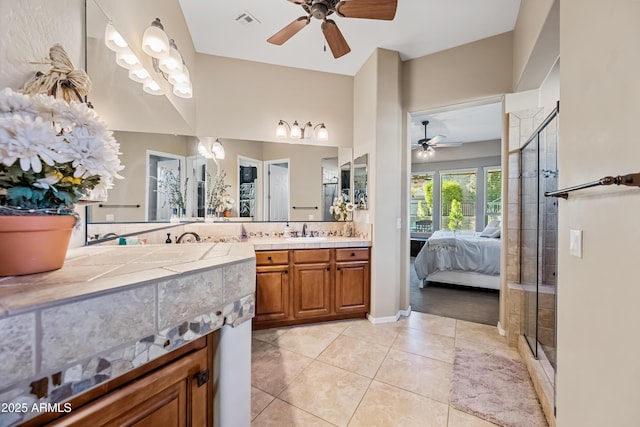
{"points": [[353, 373]]}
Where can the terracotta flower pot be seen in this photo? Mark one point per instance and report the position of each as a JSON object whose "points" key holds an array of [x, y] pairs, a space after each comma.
{"points": [[33, 243]]}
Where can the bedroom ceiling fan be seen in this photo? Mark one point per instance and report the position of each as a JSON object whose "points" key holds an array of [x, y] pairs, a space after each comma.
{"points": [[320, 9], [427, 144]]}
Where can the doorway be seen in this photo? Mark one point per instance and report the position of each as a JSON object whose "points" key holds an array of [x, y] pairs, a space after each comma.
{"points": [[248, 188], [277, 190], [456, 166], [162, 168]]}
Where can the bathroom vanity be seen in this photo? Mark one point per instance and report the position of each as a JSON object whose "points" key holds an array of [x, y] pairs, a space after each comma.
{"points": [[303, 281], [130, 333]]}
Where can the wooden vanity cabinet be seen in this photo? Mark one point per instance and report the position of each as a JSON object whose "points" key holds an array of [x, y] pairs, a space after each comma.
{"points": [[312, 280], [324, 284], [352, 281], [273, 300], [174, 390]]}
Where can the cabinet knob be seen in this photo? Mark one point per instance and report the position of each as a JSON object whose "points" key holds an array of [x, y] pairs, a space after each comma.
{"points": [[328, 268], [269, 258], [202, 377], [353, 254], [286, 272], [339, 269]]}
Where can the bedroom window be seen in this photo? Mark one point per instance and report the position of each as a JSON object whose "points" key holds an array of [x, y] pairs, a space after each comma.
{"points": [[493, 191], [458, 200], [421, 213]]}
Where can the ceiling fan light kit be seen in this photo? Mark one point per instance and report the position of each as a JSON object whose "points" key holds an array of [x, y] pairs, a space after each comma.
{"points": [[321, 9]]}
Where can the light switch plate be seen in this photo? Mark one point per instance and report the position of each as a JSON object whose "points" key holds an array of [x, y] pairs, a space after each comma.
{"points": [[575, 243]]}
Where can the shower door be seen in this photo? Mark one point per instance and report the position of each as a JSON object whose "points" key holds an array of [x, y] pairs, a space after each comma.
{"points": [[539, 231]]}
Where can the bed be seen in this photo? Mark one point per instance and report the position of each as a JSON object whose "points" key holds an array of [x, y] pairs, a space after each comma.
{"points": [[460, 258]]}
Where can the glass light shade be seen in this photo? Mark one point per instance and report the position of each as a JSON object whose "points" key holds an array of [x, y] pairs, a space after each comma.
{"points": [[281, 130], [180, 76], [217, 149], [183, 90], [431, 151], [204, 148], [127, 59], [113, 39], [323, 133], [155, 42], [139, 74], [296, 132], [172, 64], [152, 88]]}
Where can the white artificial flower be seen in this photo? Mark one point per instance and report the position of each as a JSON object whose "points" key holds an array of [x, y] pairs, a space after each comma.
{"points": [[47, 182], [39, 129], [350, 207], [29, 141]]}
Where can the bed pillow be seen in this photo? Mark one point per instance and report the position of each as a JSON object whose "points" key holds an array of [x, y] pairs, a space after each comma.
{"points": [[492, 229]]}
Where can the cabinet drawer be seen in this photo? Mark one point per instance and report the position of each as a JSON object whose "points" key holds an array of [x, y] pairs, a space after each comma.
{"points": [[272, 257], [311, 255], [360, 254]]}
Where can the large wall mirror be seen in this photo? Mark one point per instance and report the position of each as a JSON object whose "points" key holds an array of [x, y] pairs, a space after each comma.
{"points": [[360, 181], [155, 139]]}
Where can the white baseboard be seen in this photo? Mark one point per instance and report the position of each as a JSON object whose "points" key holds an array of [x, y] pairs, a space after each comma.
{"points": [[501, 330], [389, 319]]}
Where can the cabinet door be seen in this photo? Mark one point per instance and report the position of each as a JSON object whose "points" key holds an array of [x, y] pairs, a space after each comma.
{"points": [[312, 290], [272, 293], [169, 396], [352, 287]]}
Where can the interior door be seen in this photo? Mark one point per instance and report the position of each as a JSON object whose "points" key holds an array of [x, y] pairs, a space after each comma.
{"points": [[278, 191], [163, 210]]}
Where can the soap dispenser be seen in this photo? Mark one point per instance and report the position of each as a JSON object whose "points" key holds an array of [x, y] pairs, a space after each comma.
{"points": [[287, 230], [168, 238]]}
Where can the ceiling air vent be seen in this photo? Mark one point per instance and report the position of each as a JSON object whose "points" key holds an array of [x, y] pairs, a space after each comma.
{"points": [[246, 18]]}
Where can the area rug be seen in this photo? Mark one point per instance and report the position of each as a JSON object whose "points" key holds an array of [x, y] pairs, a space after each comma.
{"points": [[496, 389]]}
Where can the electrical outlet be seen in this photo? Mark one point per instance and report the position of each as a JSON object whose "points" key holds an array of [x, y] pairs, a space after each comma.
{"points": [[575, 243]]}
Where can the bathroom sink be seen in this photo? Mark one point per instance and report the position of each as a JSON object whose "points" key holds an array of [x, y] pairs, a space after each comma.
{"points": [[306, 239]]}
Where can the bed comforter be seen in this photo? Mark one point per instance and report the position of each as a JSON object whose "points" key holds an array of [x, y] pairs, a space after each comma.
{"points": [[465, 251]]}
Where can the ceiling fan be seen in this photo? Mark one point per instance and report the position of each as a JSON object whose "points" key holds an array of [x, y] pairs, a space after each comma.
{"points": [[320, 9], [427, 144]]}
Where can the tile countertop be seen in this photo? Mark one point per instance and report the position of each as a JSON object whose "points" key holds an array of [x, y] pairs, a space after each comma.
{"points": [[94, 270], [271, 243]]}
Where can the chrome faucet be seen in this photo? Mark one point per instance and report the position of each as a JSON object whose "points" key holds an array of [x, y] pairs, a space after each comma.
{"points": [[304, 230], [179, 239]]}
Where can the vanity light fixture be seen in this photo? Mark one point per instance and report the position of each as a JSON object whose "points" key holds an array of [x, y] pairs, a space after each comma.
{"points": [[155, 41], [295, 131], [210, 148], [167, 60], [113, 39], [127, 59]]}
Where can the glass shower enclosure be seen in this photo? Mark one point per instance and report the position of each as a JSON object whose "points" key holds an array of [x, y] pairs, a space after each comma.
{"points": [[538, 240]]}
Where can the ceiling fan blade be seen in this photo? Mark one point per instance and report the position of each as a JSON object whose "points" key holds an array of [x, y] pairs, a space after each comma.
{"points": [[296, 1], [436, 139], [335, 39], [289, 31], [368, 9]]}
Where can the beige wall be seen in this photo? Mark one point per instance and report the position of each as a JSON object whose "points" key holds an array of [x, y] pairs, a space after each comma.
{"points": [[470, 72], [378, 132], [527, 37], [598, 315], [245, 100]]}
